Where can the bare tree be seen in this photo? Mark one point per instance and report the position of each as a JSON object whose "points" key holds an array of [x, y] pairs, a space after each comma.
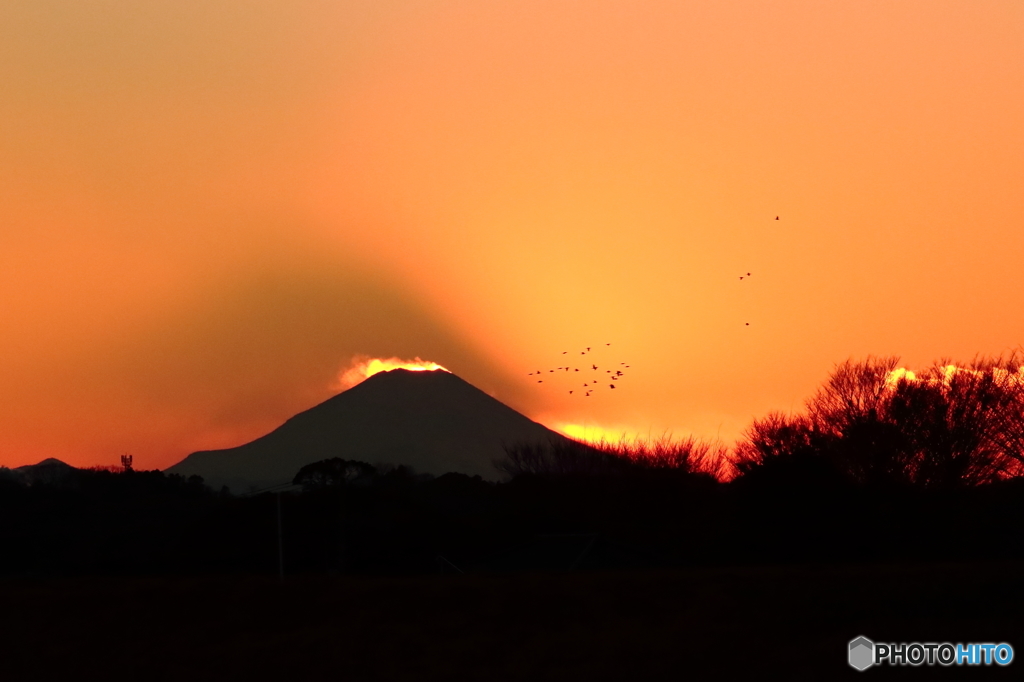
{"points": [[690, 455], [964, 423], [947, 426], [557, 457], [563, 457], [334, 472], [774, 437]]}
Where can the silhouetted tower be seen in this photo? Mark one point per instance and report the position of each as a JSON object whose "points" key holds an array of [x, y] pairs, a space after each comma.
{"points": [[126, 463]]}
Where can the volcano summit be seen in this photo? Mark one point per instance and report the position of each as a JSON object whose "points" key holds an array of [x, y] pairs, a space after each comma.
{"points": [[432, 421]]}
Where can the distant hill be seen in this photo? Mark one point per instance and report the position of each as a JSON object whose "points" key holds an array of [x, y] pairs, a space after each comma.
{"points": [[49, 471], [433, 422]]}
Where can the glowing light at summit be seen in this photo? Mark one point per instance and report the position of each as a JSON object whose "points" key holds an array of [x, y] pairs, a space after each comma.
{"points": [[362, 368]]}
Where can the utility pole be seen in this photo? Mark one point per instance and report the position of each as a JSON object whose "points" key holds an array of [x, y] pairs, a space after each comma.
{"points": [[280, 541]]}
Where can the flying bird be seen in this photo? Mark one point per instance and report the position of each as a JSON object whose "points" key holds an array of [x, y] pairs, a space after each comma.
{"points": [[570, 392], [748, 274], [611, 385], [776, 217], [748, 324], [540, 381], [595, 366], [564, 352]]}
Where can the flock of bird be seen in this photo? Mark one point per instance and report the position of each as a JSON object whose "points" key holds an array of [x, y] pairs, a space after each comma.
{"points": [[592, 374], [614, 376], [747, 276]]}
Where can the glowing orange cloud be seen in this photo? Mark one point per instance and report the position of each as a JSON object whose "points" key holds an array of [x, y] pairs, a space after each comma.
{"points": [[1001, 376], [362, 368], [899, 374]]}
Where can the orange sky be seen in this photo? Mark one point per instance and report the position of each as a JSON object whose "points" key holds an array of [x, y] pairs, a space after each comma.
{"points": [[207, 209]]}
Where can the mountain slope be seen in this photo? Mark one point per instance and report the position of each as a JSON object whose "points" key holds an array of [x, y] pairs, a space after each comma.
{"points": [[433, 422]]}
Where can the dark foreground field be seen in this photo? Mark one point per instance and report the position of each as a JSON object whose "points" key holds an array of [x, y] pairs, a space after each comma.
{"points": [[742, 623]]}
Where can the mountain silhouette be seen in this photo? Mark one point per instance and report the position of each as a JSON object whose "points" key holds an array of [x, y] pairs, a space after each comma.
{"points": [[431, 421], [49, 471]]}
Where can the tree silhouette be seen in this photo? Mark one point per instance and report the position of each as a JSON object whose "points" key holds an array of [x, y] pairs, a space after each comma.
{"points": [[332, 472], [782, 448], [557, 458], [568, 457], [948, 426], [963, 423]]}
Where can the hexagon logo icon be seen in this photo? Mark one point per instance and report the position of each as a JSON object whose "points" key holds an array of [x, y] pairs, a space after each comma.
{"points": [[862, 653]]}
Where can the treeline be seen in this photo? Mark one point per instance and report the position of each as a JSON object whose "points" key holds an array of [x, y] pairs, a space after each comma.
{"points": [[368, 521], [882, 465]]}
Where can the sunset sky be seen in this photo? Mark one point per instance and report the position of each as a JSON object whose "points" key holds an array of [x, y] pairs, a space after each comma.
{"points": [[208, 209]]}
